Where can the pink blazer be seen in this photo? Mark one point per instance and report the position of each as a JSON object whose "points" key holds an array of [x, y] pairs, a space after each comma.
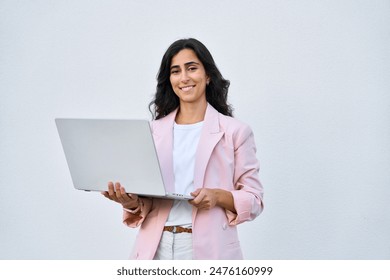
{"points": [[225, 159]]}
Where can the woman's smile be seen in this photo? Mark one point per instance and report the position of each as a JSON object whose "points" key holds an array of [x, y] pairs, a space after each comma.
{"points": [[188, 77], [186, 88]]}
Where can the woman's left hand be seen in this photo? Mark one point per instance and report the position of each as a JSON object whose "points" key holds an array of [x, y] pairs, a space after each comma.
{"points": [[206, 199]]}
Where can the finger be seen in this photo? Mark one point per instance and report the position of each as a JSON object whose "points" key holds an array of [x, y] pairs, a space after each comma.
{"points": [[124, 196], [133, 196], [123, 193], [129, 196], [199, 197], [111, 191], [195, 203], [196, 192], [201, 206], [118, 190], [106, 195]]}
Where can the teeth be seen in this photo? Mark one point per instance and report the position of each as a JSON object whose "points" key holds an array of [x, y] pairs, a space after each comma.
{"points": [[186, 88]]}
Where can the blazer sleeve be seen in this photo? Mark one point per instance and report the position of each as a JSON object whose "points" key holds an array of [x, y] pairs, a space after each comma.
{"points": [[134, 220], [248, 191]]}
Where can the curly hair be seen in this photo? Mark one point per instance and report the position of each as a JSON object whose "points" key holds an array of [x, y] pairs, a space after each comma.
{"points": [[165, 100]]}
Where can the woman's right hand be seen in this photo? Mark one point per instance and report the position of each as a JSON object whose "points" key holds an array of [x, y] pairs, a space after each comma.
{"points": [[118, 194]]}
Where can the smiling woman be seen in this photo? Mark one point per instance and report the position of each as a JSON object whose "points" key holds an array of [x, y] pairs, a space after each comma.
{"points": [[189, 79], [166, 100], [203, 152]]}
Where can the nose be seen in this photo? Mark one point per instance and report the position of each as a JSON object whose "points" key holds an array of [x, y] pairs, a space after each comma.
{"points": [[184, 76]]}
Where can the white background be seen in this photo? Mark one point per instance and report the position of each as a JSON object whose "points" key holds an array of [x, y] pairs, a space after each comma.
{"points": [[312, 78]]}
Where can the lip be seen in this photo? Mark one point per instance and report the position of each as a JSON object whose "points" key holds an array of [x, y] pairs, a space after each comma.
{"points": [[187, 88]]}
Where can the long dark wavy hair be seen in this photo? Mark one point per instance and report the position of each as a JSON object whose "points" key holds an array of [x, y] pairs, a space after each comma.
{"points": [[165, 100]]}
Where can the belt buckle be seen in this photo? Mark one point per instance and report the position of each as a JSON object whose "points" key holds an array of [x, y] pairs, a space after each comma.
{"points": [[174, 229]]}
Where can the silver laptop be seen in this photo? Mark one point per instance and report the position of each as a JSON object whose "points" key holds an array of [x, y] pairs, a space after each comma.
{"points": [[100, 150]]}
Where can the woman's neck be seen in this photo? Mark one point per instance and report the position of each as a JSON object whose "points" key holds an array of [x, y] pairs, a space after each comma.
{"points": [[189, 113]]}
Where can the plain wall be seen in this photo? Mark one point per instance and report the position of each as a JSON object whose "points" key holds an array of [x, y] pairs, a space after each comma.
{"points": [[310, 77]]}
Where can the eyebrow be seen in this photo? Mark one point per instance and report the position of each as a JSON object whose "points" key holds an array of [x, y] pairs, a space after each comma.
{"points": [[186, 64]]}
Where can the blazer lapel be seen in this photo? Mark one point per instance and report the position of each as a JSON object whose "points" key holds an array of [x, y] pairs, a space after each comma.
{"points": [[210, 136]]}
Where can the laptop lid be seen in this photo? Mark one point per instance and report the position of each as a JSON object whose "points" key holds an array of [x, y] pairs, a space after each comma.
{"points": [[98, 151]]}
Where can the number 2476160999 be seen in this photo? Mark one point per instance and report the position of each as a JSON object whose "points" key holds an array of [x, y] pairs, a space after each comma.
{"points": [[251, 270]]}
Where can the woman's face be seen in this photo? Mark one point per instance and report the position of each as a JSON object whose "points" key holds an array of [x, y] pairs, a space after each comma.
{"points": [[188, 77]]}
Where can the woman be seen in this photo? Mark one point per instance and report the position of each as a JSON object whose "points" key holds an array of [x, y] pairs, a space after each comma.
{"points": [[204, 152]]}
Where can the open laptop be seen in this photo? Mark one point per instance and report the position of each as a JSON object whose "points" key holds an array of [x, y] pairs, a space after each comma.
{"points": [[101, 150]]}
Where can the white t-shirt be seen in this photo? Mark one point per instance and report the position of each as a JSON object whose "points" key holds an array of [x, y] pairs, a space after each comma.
{"points": [[185, 143]]}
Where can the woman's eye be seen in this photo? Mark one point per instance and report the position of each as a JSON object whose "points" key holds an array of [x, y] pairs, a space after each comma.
{"points": [[192, 69], [174, 71]]}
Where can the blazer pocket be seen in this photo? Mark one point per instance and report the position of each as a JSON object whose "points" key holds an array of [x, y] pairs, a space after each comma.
{"points": [[233, 245], [233, 251]]}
